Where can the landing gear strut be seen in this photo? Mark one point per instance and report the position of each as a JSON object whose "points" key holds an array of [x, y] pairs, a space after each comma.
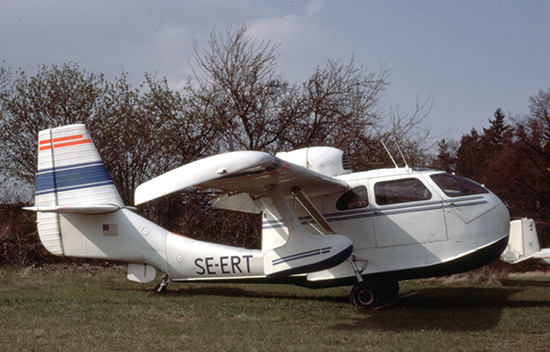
{"points": [[371, 294], [161, 288]]}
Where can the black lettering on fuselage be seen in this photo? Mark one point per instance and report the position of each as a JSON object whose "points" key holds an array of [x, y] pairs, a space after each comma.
{"points": [[235, 261], [208, 265], [225, 265], [197, 261], [247, 257]]}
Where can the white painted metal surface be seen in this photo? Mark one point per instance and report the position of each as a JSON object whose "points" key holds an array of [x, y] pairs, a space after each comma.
{"points": [[404, 223], [524, 247]]}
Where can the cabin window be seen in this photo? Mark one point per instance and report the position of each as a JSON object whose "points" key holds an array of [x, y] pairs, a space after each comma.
{"points": [[352, 199], [455, 186], [401, 191]]}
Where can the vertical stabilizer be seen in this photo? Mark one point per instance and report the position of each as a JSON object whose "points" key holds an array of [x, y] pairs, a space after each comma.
{"points": [[70, 173]]}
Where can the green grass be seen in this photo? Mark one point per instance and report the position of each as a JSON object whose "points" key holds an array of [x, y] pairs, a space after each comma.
{"points": [[96, 309]]}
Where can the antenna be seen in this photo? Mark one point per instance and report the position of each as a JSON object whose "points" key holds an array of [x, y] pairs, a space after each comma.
{"points": [[387, 151], [401, 152]]}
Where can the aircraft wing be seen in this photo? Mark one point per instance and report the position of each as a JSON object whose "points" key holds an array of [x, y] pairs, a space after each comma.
{"points": [[239, 172]]}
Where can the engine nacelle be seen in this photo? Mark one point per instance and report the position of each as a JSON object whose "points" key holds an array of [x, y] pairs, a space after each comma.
{"points": [[325, 160]]}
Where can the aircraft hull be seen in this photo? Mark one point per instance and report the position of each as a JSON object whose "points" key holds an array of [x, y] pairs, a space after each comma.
{"points": [[470, 261]]}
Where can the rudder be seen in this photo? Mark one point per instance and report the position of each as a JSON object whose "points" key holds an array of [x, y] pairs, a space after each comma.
{"points": [[70, 173]]}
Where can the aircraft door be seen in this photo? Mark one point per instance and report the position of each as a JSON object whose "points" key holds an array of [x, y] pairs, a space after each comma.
{"points": [[353, 218], [408, 213]]}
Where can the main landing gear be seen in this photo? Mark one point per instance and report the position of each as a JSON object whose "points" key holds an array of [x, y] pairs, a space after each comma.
{"points": [[371, 293]]}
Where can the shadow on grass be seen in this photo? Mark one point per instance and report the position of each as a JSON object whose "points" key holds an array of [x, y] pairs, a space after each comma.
{"points": [[233, 291], [432, 309], [444, 309], [524, 283]]}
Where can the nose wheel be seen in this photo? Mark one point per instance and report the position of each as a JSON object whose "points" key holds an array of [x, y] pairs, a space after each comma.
{"points": [[161, 288]]}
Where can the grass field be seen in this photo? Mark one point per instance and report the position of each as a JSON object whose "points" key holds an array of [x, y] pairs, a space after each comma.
{"points": [[96, 309]]}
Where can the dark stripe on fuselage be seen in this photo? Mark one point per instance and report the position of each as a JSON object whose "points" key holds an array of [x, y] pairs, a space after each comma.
{"points": [[302, 255]]}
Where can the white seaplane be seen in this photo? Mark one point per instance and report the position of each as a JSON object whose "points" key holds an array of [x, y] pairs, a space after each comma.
{"points": [[524, 246], [322, 224]]}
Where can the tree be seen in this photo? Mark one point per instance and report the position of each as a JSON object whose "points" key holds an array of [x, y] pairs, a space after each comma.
{"points": [[532, 144], [256, 108], [337, 106], [5, 81], [514, 161], [135, 132], [237, 100], [446, 155], [55, 96], [498, 135], [469, 156], [533, 133], [241, 89]]}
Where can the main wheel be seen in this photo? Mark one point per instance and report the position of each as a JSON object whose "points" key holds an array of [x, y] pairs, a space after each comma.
{"points": [[366, 294], [390, 290]]}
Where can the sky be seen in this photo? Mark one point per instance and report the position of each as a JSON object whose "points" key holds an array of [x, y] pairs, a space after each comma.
{"points": [[467, 58]]}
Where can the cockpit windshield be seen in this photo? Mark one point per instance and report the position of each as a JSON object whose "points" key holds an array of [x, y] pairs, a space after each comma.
{"points": [[455, 186]]}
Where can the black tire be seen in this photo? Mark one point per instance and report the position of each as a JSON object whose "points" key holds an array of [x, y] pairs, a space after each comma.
{"points": [[390, 290], [158, 289], [366, 294]]}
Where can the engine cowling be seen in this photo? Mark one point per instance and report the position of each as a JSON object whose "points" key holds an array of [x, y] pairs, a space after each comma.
{"points": [[328, 161]]}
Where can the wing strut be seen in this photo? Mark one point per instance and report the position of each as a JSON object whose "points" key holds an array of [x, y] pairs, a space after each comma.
{"points": [[289, 218], [306, 203]]}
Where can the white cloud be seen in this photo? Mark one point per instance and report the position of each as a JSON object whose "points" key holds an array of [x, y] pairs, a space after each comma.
{"points": [[313, 7], [287, 29]]}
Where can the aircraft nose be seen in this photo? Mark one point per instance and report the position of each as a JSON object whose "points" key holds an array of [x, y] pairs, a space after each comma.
{"points": [[480, 228], [494, 224], [484, 218]]}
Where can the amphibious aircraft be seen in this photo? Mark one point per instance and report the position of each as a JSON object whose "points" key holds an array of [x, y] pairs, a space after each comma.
{"points": [[323, 225], [523, 246]]}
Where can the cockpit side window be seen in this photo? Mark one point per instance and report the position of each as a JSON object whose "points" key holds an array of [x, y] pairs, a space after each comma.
{"points": [[401, 191], [455, 186], [352, 199]]}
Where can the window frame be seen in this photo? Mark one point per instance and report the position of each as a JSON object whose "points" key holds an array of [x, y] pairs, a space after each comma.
{"points": [[478, 189], [381, 198], [353, 196]]}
